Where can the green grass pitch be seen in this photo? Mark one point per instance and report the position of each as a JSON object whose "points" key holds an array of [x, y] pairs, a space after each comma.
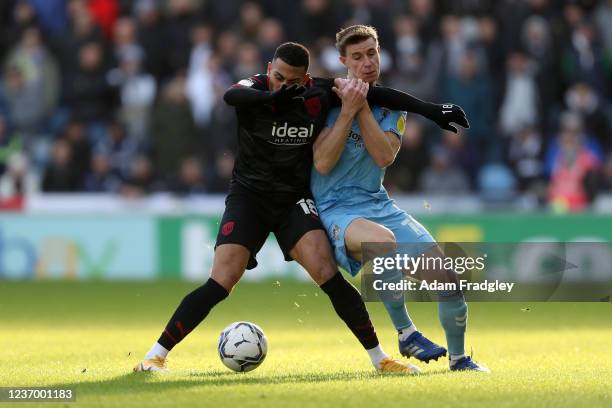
{"points": [[90, 335]]}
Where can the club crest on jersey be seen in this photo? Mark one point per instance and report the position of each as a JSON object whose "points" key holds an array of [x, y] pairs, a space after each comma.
{"points": [[295, 135], [313, 106], [227, 228], [356, 139]]}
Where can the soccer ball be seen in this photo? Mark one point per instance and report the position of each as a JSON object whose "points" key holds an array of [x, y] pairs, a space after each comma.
{"points": [[242, 346]]}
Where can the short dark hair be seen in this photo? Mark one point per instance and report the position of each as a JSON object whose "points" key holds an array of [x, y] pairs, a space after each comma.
{"points": [[354, 35], [293, 54]]}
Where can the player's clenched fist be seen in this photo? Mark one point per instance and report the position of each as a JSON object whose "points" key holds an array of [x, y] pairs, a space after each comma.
{"points": [[353, 94]]}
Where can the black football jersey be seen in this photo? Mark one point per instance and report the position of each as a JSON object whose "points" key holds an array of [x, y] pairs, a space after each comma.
{"points": [[275, 142]]}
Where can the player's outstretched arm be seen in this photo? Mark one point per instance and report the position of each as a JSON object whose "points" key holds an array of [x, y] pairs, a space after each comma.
{"points": [[442, 114], [241, 95]]}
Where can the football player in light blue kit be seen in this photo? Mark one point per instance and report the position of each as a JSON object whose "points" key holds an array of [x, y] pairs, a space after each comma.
{"points": [[350, 156]]}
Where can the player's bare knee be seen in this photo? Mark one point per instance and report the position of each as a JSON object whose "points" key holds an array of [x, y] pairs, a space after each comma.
{"points": [[324, 272], [387, 237], [225, 277], [226, 273]]}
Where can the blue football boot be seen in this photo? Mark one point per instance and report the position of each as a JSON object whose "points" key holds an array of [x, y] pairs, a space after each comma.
{"points": [[421, 348], [467, 364]]}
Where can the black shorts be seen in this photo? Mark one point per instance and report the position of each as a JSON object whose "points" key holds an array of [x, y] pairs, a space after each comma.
{"points": [[249, 218]]}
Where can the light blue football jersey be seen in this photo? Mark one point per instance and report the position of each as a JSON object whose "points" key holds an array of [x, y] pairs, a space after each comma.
{"points": [[355, 176]]}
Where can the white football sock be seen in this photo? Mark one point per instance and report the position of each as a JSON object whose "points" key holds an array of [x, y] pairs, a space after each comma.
{"points": [[156, 350], [455, 357], [405, 333], [377, 355]]}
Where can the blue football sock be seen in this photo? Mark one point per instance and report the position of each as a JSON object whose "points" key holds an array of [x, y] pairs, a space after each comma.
{"points": [[453, 311], [394, 300], [398, 313]]}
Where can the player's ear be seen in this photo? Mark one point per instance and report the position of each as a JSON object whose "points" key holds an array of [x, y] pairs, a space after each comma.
{"points": [[342, 60], [269, 69]]}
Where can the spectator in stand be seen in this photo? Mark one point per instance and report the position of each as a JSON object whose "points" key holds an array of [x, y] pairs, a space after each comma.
{"points": [[417, 67], [491, 44], [150, 32], [199, 77], [574, 166], [120, 148], [60, 175], [22, 16], [140, 180], [102, 178], [583, 58], [514, 13], [443, 176], [190, 178], [269, 36], [173, 134], [462, 154], [81, 30], [227, 50], [603, 16], [424, 12], [177, 32], [87, 90], [136, 90], [454, 45], [224, 165], [412, 159], [104, 13], [223, 122], [317, 18], [251, 16], [249, 61], [223, 14], [537, 41], [32, 82], [371, 13], [76, 136], [525, 157], [19, 179], [125, 39], [520, 97], [605, 184], [573, 14], [582, 99], [10, 143], [472, 89]]}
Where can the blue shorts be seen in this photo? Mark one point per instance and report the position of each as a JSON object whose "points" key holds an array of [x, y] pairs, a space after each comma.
{"points": [[415, 238]]}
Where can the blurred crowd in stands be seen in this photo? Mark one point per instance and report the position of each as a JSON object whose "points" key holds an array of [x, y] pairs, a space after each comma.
{"points": [[125, 96]]}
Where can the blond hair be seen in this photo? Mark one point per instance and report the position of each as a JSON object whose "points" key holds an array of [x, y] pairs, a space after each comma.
{"points": [[353, 35]]}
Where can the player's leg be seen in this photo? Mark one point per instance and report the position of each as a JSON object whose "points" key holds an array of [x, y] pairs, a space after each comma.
{"points": [[229, 264], [314, 253], [390, 224], [453, 314], [452, 308], [301, 237], [239, 239], [361, 230]]}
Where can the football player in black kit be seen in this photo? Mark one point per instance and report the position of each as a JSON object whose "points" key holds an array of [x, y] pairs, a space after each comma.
{"points": [[279, 116]]}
